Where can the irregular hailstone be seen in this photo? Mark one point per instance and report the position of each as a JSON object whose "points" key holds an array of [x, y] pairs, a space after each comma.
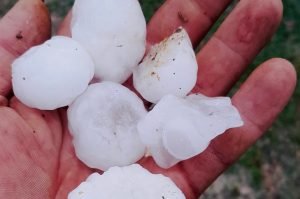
{"points": [[103, 123], [169, 68], [53, 74], [114, 32], [132, 182], [177, 129]]}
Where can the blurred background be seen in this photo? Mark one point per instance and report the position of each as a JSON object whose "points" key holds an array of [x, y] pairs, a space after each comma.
{"points": [[271, 168]]}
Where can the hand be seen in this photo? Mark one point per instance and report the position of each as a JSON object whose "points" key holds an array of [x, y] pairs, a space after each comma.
{"points": [[36, 155]]}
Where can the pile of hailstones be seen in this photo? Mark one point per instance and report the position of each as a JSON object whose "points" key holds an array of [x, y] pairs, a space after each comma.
{"points": [[110, 125]]}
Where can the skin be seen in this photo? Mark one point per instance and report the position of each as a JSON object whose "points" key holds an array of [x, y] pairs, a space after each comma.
{"points": [[36, 155]]}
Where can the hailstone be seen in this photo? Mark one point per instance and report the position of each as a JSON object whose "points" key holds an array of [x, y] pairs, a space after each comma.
{"points": [[103, 123], [53, 74], [114, 32], [131, 182], [169, 68], [179, 128]]}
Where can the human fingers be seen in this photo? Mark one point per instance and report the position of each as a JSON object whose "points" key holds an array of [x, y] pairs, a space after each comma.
{"points": [[196, 16], [64, 27], [235, 44], [3, 101], [259, 100], [25, 25]]}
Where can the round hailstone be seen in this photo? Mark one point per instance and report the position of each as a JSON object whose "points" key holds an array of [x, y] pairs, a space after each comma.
{"points": [[177, 129], [53, 74], [169, 68], [114, 32], [132, 182], [103, 122]]}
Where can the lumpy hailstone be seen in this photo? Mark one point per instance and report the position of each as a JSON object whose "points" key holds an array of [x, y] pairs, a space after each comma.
{"points": [[169, 68], [53, 74], [178, 129], [103, 123], [114, 32], [132, 182]]}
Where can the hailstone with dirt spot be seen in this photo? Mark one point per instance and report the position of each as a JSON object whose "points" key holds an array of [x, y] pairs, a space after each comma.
{"points": [[179, 128], [114, 32], [103, 123], [131, 182], [53, 74], [169, 68]]}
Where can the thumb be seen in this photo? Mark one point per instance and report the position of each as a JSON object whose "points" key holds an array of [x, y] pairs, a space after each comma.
{"points": [[25, 25]]}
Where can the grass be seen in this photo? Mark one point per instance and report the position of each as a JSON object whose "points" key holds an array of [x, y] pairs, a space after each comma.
{"points": [[281, 146]]}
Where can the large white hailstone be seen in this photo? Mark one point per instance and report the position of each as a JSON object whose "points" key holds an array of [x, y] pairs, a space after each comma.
{"points": [[114, 32], [103, 123], [131, 182], [53, 74], [169, 68], [179, 128]]}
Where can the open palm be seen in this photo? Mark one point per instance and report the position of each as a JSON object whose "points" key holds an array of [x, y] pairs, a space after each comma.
{"points": [[36, 155]]}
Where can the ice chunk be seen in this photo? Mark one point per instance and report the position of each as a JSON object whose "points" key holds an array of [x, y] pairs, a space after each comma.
{"points": [[182, 139], [131, 182], [53, 74], [161, 156], [217, 108], [169, 68], [103, 123], [183, 127], [114, 32]]}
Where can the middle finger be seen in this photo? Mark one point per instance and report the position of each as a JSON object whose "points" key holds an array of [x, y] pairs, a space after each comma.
{"points": [[196, 16], [235, 44]]}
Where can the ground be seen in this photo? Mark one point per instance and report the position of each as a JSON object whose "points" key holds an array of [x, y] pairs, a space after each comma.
{"points": [[269, 168]]}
